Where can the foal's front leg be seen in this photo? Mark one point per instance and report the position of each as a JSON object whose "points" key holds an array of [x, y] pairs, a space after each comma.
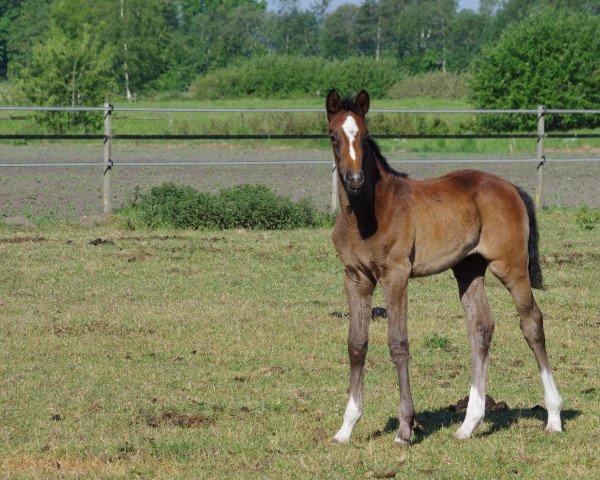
{"points": [[359, 291], [395, 288]]}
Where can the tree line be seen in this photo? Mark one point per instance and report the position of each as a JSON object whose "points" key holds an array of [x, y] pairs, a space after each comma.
{"points": [[139, 46]]}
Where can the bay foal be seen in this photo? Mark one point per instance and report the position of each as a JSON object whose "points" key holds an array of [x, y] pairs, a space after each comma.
{"points": [[391, 228]]}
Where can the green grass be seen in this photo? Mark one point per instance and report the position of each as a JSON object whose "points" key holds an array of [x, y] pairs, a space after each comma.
{"points": [[102, 346]]}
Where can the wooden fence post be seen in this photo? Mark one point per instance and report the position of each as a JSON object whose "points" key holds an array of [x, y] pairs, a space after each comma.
{"points": [[107, 156], [334, 189], [539, 199]]}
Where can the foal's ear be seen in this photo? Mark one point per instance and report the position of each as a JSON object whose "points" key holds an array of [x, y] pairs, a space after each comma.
{"points": [[362, 102], [333, 103]]}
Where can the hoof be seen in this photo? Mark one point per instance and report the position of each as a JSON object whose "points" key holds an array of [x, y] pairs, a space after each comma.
{"points": [[402, 441], [462, 435], [467, 428], [553, 428], [340, 440], [553, 423]]}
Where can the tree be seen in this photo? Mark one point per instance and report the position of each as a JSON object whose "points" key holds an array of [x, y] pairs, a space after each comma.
{"points": [[466, 38], [214, 33], [22, 23], [368, 28], [339, 32], [292, 31], [422, 35], [319, 10], [551, 58], [139, 31], [507, 12], [64, 71], [388, 21], [9, 12]]}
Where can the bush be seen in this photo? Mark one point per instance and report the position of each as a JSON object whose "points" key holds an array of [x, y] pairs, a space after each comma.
{"points": [[432, 85], [243, 206], [281, 76], [550, 59]]}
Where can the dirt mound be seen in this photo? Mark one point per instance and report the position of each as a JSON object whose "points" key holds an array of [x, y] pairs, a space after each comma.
{"points": [[490, 405]]}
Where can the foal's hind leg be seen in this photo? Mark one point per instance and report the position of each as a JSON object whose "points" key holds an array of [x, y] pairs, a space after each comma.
{"points": [[532, 326], [470, 276], [359, 290]]}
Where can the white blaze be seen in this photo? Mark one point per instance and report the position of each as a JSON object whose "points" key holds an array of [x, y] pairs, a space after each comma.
{"points": [[351, 129]]}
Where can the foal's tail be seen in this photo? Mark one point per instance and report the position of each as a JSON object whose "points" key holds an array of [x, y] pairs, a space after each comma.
{"points": [[535, 272]]}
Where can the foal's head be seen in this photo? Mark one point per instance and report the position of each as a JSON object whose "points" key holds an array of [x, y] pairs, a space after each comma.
{"points": [[348, 132]]}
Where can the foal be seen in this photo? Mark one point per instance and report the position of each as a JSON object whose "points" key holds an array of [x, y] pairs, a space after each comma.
{"points": [[391, 228]]}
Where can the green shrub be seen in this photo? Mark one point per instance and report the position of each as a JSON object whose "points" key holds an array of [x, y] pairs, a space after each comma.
{"points": [[282, 76], [550, 59], [586, 218], [432, 85], [243, 206]]}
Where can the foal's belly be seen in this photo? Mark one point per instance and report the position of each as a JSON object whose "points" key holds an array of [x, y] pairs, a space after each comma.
{"points": [[429, 259], [437, 265]]}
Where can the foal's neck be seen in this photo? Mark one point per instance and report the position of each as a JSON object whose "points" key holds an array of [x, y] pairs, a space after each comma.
{"points": [[361, 205]]}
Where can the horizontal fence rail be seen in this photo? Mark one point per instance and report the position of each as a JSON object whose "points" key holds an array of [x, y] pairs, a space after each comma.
{"points": [[238, 163], [299, 136], [113, 108], [108, 138]]}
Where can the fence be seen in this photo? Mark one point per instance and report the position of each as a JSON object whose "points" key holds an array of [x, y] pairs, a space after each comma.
{"points": [[108, 137]]}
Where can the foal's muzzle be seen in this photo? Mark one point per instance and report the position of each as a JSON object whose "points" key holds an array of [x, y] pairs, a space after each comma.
{"points": [[354, 180]]}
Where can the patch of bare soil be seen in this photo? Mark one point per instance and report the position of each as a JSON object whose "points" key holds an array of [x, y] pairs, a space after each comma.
{"points": [[570, 258], [135, 257], [22, 240], [156, 237], [40, 467], [98, 326], [178, 420], [382, 474]]}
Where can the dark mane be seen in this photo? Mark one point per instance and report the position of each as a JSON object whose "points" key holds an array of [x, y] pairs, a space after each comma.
{"points": [[373, 149], [348, 105]]}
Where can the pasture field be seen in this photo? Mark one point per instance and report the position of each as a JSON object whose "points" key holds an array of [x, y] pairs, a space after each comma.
{"points": [[186, 354]]}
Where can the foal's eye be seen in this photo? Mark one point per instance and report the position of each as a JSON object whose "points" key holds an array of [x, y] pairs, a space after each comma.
{"points": [[332, 137]]}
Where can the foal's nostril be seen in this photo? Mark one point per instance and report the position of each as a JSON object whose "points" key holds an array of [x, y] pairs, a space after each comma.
{"points": [[354, 180]]}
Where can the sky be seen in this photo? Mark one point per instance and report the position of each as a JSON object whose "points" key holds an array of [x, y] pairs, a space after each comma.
{"points": [[471, 4]]}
